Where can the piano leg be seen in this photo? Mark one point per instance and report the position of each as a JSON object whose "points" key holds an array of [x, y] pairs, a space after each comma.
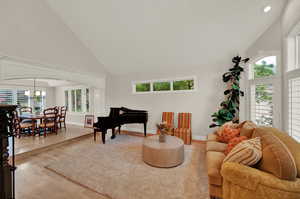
{"points": [[103, 136], [113, 133], [120, 129], [95, 131], [145, 129]]}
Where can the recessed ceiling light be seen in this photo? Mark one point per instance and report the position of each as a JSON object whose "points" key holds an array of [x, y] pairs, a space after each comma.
{"points": [[267, 9]]}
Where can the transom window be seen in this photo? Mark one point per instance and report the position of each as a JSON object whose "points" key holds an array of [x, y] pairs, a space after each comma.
{"points": [[169, 85], [264, 67]]}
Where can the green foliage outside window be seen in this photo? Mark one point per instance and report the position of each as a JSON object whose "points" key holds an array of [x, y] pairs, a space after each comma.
{"points": [[142, 87], [78, 100], [183, 85], [263, 69], [161, 86]]}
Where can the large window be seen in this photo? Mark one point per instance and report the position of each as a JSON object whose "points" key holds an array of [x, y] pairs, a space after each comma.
{"points": [[23, 97], [264, 81], [79, 100], [169, 85]]}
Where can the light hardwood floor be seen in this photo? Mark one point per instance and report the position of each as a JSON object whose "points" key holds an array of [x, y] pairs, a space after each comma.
{"points": [[33, 181]]}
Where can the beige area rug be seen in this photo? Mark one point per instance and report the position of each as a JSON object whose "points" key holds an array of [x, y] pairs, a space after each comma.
{"points": [[117, 171]]}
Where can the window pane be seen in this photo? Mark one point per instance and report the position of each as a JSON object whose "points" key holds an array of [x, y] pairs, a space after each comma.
{"points": [[39, 101], [23, 98], [161, 86], [73, 100], [262, 104], [87, 93], [265, 67], [183, 85], [78, 101], [67, 99], [6, 96], [142, 87], [294, 108]]}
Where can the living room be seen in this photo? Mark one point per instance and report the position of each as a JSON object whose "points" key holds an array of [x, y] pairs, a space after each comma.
{"points": [[183, 69]]}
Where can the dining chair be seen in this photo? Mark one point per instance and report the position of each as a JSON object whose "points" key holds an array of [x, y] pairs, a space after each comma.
{"points": [[49, 121], [25, 109], [62, 116], [168, 117], [19, 127], [184, 130]]}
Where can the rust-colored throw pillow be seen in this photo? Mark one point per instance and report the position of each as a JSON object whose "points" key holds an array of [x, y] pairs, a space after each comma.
{"points": [[228, 134], [227, 124], [247, 128], [248, 152], [276, 157], [233, 142]]}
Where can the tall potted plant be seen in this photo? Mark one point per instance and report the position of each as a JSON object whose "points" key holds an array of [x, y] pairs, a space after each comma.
{"points": [[229, 110]]}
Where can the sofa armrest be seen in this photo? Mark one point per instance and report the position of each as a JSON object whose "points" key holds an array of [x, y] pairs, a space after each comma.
{"points": [[250, 178]]}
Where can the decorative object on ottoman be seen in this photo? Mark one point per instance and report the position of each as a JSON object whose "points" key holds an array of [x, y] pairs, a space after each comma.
{"points": [[184, 127], [247, 152], [167, 154], [233, 142], [168, 117], [163, 128], [229, 110]]}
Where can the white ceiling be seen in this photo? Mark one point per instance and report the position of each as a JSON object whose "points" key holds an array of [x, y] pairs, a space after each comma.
{"points": [[147, 36]]}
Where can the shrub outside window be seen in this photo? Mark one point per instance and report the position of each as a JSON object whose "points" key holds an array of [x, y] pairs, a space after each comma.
{"points": [[143, 87], [183, 85], [161, 86]]}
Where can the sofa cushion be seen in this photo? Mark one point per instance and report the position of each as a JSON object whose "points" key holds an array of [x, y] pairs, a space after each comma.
{"points": [[291, 144], [228, 134], [212, 137], [215, 146], [233, 142], [247, 128], [277, 159], [247, 152], [214, 162]]}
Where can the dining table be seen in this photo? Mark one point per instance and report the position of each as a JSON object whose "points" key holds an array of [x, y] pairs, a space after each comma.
{"points": [[34, 118]]}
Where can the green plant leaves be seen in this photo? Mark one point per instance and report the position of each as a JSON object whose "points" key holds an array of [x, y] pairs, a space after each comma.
{"points": [[230, 107]]}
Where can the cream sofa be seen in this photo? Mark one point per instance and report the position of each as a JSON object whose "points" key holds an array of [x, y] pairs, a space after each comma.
{"points": [[236, 181]]}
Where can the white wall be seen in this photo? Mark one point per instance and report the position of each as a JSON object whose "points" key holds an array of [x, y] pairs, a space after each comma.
{"points": [[31, 31], [201, 103]]}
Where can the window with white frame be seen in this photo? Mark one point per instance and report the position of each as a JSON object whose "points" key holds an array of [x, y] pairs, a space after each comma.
{"points": [[263, 82], [79, 100], [166, 85], [294, 108], [293, 53], [24, 97]]}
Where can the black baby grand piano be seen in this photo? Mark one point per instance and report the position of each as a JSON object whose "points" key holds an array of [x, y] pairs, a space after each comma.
{"points": [[117, 117]]}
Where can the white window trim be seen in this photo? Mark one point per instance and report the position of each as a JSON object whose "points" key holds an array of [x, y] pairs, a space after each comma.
{"points": [[83, 100], [171, 80], [275, 80]]}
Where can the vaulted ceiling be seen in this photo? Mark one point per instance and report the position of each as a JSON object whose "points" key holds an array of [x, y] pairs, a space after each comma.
{"points": [[137, 36]]}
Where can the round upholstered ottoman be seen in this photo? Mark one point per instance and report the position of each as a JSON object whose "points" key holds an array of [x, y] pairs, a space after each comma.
{"points": [[166, 154]]}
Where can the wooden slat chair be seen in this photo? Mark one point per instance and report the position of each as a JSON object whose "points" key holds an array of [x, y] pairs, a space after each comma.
{"points": [[25, 109], [62, 116], [184, 130], [19, 127], [168, 117], [49, 121]]}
